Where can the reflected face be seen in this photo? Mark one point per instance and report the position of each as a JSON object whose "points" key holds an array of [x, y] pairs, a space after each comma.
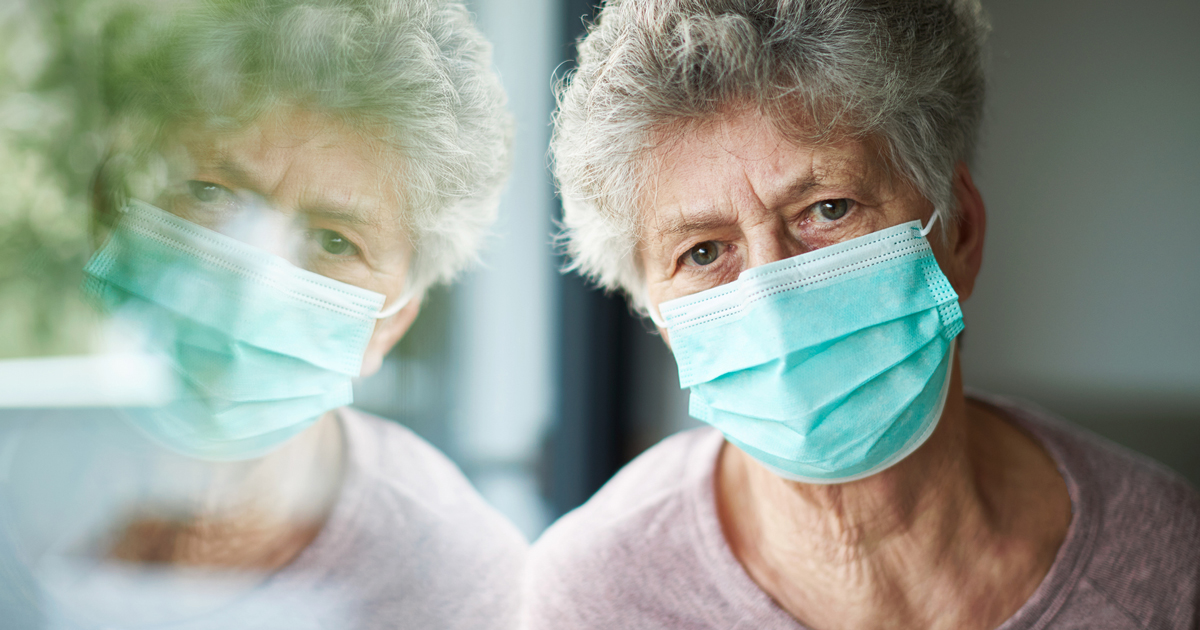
{"points": [[301, 185], [731, 194]]}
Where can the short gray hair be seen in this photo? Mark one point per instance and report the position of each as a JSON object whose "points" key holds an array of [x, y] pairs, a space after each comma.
{"points": [[417, 68], [909, 73]]}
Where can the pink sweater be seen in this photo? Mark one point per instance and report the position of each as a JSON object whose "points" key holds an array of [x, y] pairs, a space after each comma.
{"points": [[647, 550]]}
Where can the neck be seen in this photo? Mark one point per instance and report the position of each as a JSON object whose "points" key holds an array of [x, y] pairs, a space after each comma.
{"points": [[912, 546], [254, 515]]}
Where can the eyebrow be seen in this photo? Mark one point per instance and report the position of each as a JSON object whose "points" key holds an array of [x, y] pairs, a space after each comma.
{"points": [[240, 177], [237, 175], [707, 219], [800, 188], [334, 214], [710, 218]]}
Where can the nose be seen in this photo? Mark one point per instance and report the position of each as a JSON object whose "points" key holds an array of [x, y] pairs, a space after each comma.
{"points": [[771, 242], [258, 224]]}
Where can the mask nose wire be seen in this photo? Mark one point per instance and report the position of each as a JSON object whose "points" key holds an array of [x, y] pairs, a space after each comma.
{"points": [[929, 226], [656, 317], [396, 307]]}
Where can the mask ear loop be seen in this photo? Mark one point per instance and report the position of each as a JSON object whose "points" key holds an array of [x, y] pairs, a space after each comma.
{"points": [[397, 306], [929, 226], [652, 310]]}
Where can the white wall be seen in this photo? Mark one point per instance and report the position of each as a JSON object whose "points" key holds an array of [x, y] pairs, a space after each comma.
{"points": [[1090, 168]]}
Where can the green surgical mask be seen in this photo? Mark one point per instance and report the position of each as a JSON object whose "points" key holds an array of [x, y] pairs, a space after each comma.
{"points": [[826, 367], [261, 348]]}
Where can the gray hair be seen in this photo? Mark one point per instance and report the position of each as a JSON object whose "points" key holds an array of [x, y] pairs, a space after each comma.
{"points": [[417, 68], [909, 73]]}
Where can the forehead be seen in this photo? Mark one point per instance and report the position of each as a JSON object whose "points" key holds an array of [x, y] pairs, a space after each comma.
{"points": [[295, 150], [746, 153]]}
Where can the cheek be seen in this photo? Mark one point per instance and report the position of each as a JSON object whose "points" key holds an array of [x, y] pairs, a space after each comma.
{"points": [[378, 336], [694, 279], [387, 277], [385, 335], [350, 272], [816, 234]]}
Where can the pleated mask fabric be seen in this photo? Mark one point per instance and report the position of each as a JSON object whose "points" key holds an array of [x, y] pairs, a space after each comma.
{"points": [[829, 366], [261, 347]]}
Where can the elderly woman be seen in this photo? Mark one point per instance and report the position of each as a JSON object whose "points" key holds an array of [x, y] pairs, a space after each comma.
{"points": [[784, 188], [286, 180]]}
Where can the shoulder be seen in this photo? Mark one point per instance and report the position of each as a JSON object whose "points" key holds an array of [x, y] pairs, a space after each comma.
{"points": [[391, 450], [396, 461], [642, 497], [617, 555], [421, 522], [1139, 502], [420, 482], [1143, 519]]}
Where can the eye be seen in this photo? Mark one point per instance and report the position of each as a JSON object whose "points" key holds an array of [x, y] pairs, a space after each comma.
{"points": [[831, 209], [206, 192], [702, 254], [334, 243]]}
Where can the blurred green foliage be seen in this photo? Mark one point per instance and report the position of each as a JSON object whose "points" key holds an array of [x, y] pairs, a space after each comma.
{"points": [[50, 145]]}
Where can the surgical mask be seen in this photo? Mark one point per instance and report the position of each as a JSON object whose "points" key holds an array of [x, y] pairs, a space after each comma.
{"points": [[261, 348], [826, 367]]}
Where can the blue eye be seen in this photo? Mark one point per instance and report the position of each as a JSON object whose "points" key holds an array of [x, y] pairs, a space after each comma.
{"points": [[831, 209], [206, 192], [704, 253]]}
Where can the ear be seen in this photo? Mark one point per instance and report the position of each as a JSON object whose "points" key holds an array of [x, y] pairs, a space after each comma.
{"points": [[388, 332], [966, 236]]}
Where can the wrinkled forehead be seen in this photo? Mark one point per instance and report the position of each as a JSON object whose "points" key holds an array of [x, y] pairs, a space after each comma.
{"points": [[281, 132], [291, 146], [788, 155]]}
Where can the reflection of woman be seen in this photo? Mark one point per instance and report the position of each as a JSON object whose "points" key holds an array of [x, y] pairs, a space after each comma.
{"points": [[783, 187], [287, 180]]}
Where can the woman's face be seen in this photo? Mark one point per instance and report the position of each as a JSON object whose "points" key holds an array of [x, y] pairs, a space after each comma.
{"points": [[306, 187], [733, 194], [301, 185]]}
